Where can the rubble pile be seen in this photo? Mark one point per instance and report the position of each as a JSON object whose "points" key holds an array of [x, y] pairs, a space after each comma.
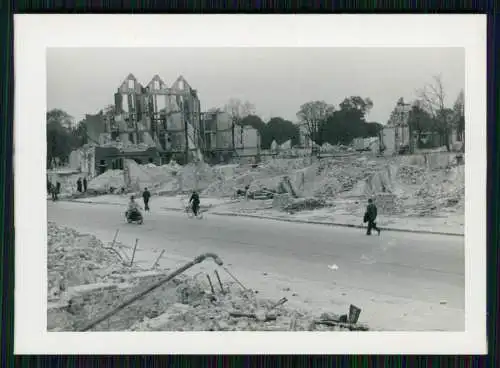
{"points": [[86, 280], [411, 175], [67, 181], [226, 187], [406, 184], [75, 259], [104, 182], [441, 190]]}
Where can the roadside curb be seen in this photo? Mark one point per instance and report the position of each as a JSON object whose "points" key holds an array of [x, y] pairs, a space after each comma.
{"points": [[92, 202], [335, 224], [285, 219]]}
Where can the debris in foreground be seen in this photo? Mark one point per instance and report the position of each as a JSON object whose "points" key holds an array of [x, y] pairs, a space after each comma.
{"points": [[181, 303]]}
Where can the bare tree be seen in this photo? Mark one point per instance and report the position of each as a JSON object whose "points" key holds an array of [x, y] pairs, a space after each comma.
{"points": [[312, 114], [459, 110], [238, 110], [432, 98]]}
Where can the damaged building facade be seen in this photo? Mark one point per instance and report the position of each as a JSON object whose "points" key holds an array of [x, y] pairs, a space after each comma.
{"points": [[157, 122], [167, 118], [222, 138], [397, 136]]}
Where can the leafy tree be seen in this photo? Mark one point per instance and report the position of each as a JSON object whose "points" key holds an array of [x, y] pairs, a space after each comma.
{"points": [[59, 116], [373, 129], [357, 105], [254, 121], [80, 133], [347, 123], [313, 114], [420, 120], [281, 131], [61, 137]]}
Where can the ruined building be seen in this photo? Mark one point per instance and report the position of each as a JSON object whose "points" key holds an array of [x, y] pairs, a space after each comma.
{"points": [[155, 123], [167, 118], [220, 136]]}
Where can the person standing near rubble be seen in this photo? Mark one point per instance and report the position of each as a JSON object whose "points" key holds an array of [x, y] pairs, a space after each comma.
{"points": [[370, 217], [146, 195], [49, 187], [55, 191], [79, 185]]}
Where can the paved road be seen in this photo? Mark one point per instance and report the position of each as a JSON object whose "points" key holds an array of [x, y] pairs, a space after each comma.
{"points": [[417, 279]]}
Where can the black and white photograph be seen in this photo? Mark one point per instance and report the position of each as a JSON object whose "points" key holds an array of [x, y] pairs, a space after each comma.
{"points": [[301, 188]]}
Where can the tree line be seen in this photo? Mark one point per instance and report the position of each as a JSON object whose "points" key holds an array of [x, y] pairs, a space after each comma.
{"points": [[324, 123], [320, 121]]}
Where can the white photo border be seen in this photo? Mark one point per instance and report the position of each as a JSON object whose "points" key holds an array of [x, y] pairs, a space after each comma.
{"points": [[33, 34]]}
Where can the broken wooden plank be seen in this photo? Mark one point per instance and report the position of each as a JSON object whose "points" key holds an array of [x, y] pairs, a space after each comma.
{"points": [[280, 302], [350, 326]]}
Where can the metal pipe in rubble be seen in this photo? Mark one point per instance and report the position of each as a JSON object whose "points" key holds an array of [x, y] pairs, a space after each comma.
{"points": [[136, 297]]}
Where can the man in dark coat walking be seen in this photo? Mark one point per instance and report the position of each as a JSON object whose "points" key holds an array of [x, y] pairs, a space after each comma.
{"points": [[84, 184], [146, 195], [79, 185], [194, 200], [370, 217]]}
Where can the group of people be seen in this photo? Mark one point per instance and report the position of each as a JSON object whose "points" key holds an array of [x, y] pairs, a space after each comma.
{"points": [[81, 185], [194, 202], [53, 190]]}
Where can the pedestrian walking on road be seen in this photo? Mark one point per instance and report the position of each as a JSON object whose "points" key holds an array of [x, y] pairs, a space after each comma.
{"points": [[146, 195], [194, 200], [85, 184], [79, 185], [370, 217]]}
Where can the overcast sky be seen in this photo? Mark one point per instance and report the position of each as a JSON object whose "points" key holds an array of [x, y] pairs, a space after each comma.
{"points": [[276, 80]]}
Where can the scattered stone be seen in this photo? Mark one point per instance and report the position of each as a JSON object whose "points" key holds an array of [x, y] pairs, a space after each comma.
{"points": [[183, 304]]}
